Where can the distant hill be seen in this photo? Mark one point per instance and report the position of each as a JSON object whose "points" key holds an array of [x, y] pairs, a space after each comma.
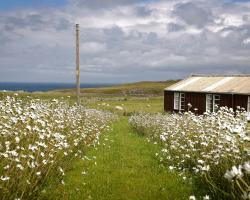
{"points": [[143, 88]]}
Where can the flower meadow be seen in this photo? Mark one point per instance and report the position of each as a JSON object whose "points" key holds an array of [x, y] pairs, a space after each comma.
{"points": [[38, 138], [211, 151]]}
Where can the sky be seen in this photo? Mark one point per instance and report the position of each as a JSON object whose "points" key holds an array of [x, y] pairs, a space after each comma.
{"points": [[14, 4], [123, 40]]}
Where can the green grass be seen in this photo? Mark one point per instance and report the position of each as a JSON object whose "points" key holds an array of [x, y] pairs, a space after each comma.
{"points": [[126, 169], [133, 97], [129, 104], [143, 88]]}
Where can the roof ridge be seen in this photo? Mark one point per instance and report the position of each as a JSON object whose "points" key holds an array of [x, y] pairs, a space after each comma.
{"points": [[220, 75], [229, 84]]}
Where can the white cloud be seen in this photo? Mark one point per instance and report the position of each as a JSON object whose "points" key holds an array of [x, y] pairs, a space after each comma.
{"points": [[246, 41]]}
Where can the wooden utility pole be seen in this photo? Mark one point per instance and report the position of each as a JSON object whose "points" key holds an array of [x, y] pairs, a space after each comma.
{"points": [[77, 66]]}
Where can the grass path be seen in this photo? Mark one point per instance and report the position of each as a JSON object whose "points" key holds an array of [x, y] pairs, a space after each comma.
{"points": [[125, 168]]}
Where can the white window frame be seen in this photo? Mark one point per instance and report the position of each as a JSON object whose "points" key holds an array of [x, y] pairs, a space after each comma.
{"points": [[216, 105], [182, 102], [248, 104], [209, 102], [176, 101], [179, 101], [212, 102]]}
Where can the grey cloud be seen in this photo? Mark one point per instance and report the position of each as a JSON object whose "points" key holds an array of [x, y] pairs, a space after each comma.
{"points": [[234, 38], [115, 32], [34, 22], [143, 11], [63, 24], [246, 18], [173, 27], [152, 39], [192, 14], [234, 8], [139, 45], [102, 4], [112, 34], [4, 38]]}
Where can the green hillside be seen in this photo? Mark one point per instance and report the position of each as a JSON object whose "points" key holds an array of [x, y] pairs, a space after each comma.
{"points": [[143, 88]]}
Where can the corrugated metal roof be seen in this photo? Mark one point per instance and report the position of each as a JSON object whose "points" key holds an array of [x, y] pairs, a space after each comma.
{"points": [[233, 84]]}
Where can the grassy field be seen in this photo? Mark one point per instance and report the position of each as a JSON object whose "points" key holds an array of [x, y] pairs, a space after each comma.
{"points": [[129, 105], [144, 88], [123, 167], [133, 97]]}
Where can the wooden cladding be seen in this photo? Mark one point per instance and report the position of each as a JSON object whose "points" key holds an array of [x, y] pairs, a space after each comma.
{"points": [[169, 101], [199, 101], [240, 100], [248, 104]]}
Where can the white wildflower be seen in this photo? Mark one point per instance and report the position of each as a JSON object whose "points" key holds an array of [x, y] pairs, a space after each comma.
{"points": [[84, 173], [246, 166], [20, 166], [17, 139], [206, 197], [7, 167], [5, 178], [233, 173], [192, 197], [61, 170]]}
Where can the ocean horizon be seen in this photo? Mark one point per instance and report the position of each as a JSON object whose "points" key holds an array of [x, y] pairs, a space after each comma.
{"points": [[44, 87]]}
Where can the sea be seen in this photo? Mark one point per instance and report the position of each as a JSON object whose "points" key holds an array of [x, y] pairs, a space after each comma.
{"points": [[43, 87]]}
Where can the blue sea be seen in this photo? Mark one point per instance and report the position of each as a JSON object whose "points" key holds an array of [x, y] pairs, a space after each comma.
{"points": [[43, 87]]}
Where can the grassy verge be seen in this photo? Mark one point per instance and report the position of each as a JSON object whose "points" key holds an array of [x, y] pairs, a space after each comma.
{"points": [[122, 167]]}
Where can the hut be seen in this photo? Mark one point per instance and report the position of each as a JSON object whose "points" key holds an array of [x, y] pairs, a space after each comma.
{"points": [[206, 93]]}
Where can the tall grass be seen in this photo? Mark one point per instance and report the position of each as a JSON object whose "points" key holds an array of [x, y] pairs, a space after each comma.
{"points": [[37, 137], [210, 149]]}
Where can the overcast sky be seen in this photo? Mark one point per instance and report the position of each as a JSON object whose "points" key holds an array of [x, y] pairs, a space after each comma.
{"points": [[123, 40]]}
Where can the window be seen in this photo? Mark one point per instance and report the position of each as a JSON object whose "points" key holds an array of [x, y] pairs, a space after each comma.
{"points": [[176, 100], [209, 103], [216, 102], [212, 102], [182, 101], [179, 101], [248, 104]]}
